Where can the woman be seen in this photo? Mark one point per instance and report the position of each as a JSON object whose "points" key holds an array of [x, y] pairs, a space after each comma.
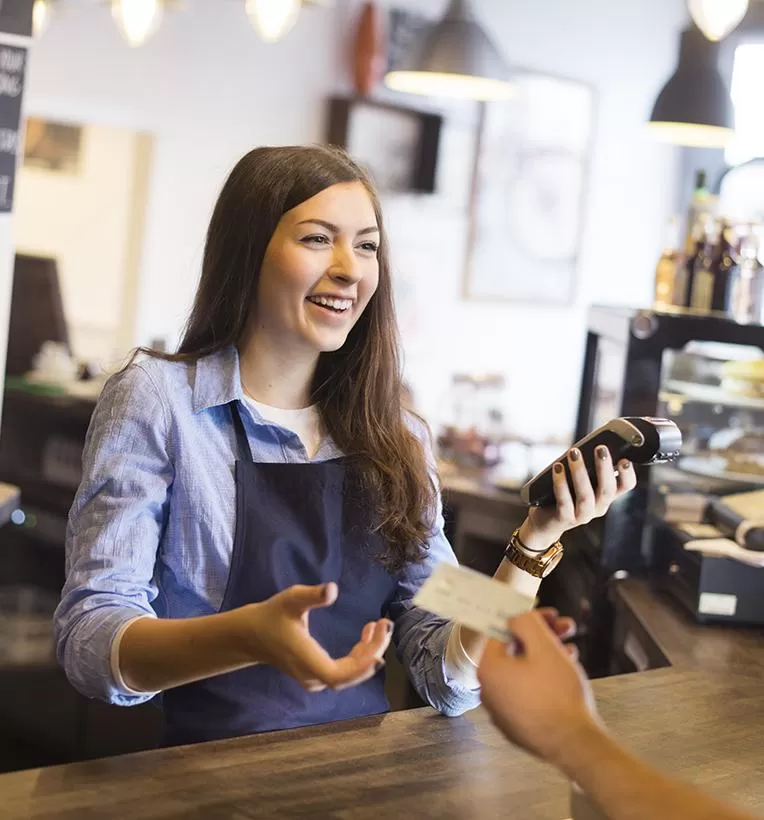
{"points": [[264, 472]]}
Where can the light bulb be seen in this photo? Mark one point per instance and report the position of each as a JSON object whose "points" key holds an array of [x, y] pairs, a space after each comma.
{"points": [[40, 16], [434, 84], [137, 19], [272, 19], [691, 135], [717, 18]]}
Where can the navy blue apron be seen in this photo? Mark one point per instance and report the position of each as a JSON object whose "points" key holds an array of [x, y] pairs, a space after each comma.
{"points": [[302, 523]]}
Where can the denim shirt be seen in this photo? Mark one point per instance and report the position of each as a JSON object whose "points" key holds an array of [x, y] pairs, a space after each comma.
{"points": [[152, 525]]}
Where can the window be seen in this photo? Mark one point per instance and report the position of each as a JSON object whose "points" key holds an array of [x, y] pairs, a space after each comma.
{"points": [[741, 196], [747, 72]]}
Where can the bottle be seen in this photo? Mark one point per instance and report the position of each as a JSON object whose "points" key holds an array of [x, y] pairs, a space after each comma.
{"points": [[744, 300], [693, 248], [667, 269], [702, 288], [723, 265], [701, 202]]}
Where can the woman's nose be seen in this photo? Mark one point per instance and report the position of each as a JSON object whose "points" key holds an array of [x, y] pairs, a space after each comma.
{"points": [[344, 266]]}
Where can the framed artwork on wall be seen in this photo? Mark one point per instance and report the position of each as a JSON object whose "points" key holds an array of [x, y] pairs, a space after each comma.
{"points": [[528, 197], [397, 145]]}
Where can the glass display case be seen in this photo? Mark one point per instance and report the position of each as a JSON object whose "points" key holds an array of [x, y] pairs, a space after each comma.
{"points": [[715, 393], [706, 373]]}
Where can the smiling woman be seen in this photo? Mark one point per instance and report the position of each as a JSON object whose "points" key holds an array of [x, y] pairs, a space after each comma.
{"points": [[265, 471]]}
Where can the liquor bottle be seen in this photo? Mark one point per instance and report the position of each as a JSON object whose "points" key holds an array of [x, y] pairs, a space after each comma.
{"points": [[723, 265], [702, 288], [667, 269], [693, 248], [744, 292], [701, 202]]}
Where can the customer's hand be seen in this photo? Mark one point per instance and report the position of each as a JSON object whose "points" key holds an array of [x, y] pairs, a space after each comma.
{"points": [[277, 633], [534, 691], [545, 525]]}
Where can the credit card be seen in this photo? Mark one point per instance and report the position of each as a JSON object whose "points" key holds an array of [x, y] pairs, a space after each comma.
{"points": [[472, 599]]}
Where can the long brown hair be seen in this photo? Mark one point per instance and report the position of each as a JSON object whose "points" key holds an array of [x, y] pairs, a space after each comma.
{"points": [[358, 388]]}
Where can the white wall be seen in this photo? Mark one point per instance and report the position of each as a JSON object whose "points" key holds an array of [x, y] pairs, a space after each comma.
{"points": [[209, 90], [84, 219], [626, 50]]}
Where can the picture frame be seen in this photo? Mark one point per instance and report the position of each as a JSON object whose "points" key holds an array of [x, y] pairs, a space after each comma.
{"points": [[52, 146], [528, 200], [398, 145]]}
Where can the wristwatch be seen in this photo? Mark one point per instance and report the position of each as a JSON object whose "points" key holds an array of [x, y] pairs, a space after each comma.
{"points": [[537, 564]]}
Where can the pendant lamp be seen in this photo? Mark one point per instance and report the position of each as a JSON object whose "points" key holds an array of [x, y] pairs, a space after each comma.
{"points": [[456, 58], [694, 108]]}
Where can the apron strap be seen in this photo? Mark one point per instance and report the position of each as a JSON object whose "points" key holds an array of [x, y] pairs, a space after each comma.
{"points": [[242, 442]]}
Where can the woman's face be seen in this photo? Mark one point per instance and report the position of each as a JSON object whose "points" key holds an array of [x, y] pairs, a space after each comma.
{"points": [[319, 271]]}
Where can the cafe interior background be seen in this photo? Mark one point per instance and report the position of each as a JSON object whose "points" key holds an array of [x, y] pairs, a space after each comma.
{"points": [[531, 237]]}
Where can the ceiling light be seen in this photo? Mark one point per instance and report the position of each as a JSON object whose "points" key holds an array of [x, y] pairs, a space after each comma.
{"points": [[456, 58], [41, 11], [137, 20], [717, 18], [273, 19], [694, 108]]}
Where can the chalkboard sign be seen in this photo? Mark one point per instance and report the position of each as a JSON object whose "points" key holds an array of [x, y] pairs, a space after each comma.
{"points": [[16, 17], [404, 31], [12, 68]]}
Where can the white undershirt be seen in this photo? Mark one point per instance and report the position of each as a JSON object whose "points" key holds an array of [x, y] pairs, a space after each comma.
{"points": [[305, 422]]}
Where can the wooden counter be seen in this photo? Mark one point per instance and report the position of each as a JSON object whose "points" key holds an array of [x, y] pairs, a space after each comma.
{"points": [[704, 727], [669, 636]]}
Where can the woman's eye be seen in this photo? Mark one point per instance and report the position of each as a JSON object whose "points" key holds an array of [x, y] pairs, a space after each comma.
{"points": [[371, 247], [317, 239]]}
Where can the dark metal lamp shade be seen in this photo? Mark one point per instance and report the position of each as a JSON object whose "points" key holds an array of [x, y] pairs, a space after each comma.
{"points": [[694, 108], [456, 58]]}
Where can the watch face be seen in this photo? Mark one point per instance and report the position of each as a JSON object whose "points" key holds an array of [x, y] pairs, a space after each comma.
{"points": [[553, 561]]}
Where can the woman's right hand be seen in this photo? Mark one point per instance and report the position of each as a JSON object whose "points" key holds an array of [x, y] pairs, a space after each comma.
{"points": [[276, 633]]}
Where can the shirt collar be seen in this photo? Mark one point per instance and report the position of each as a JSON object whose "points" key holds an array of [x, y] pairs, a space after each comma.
{"points": [[217, 380]]}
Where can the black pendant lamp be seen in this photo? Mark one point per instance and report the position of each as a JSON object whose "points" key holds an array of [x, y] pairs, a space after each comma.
{"points": [[456, 58], [694, 108]]}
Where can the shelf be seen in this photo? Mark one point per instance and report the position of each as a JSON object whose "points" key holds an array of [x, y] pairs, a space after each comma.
{"points": [[707, 394]]}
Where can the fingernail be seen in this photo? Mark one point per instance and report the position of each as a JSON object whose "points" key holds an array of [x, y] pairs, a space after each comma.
{"points": [[602, 453], [575, 454], [378, 665], [389, 627], [514, 647], [625, 465], [558, 468]]}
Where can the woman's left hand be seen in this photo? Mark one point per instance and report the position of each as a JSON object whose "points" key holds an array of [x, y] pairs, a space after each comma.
{"points": [[545, 525]]}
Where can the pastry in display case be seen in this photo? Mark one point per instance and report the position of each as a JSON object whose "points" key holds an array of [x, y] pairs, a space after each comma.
{"points": [[715, 392]]}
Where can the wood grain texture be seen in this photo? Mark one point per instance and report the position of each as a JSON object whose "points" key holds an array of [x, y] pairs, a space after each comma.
{"points": [[691, 645], [704, 727]]}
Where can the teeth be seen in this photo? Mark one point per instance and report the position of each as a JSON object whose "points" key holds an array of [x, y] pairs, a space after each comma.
{"points": [[337, 304]]}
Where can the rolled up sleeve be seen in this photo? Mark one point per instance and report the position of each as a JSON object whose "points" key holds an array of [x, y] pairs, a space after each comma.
{"points": [[113, 532], [421, 638]]}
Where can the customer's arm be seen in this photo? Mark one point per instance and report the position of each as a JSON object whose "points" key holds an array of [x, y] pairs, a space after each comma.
{"points": [[541, 700], [626, 788]]}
